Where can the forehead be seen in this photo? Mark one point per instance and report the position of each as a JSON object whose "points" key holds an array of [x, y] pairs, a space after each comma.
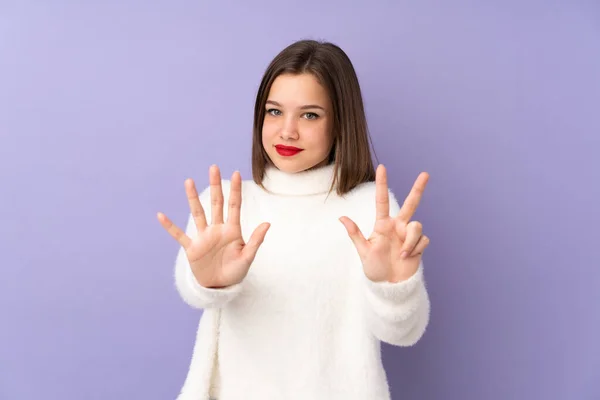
{"points": [[303, 88]]}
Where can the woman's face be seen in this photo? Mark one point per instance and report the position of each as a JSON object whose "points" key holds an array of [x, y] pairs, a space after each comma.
{"points": [[297, 127]]}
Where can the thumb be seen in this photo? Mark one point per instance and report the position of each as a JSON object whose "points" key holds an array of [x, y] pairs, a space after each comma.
{"points": [[356, 235], [256, 239]]}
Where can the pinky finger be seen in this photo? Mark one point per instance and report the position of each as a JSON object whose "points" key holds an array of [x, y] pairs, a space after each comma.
{"points": [[421, 246], [174, 230]]}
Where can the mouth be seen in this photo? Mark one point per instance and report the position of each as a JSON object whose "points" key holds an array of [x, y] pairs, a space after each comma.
{"points": [[287, 151]]}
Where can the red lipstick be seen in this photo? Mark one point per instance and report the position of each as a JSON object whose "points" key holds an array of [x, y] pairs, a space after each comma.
{"points": [[287, 151]]}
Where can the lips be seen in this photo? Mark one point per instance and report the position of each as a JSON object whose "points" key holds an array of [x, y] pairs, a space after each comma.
{"points": [[287, 151]]}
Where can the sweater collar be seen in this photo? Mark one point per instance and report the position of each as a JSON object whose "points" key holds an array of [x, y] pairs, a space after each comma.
{"points": [[309, 182]]}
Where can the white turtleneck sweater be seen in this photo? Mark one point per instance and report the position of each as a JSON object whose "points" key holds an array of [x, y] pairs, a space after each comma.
{"points": [[305, 323]]}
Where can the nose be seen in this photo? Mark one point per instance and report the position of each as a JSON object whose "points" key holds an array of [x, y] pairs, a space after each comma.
{"points": [[289, 129]]}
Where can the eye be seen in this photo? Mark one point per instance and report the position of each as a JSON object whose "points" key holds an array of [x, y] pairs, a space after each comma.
{"points": [[311, 115], [273, 111]]}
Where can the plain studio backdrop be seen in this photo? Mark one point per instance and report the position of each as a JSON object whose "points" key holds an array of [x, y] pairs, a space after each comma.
{"points": [[107, 106]]}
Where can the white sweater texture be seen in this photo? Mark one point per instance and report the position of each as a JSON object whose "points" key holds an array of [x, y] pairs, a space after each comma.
{"points": [[305, 323]]}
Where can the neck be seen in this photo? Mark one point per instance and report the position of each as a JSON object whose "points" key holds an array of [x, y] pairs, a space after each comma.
{"points": [[309, 182]]}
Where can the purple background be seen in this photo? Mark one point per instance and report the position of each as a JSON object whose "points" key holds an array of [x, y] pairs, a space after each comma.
{"points": [[106, 107]]}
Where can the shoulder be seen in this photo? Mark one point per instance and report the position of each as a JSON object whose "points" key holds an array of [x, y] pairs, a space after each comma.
{"points": [[367, 190], [248, 195], [225, 189], [248, 188], [364, 195]]}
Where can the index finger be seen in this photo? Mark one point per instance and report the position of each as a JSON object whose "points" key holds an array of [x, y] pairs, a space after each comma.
{"points": [[235, 199], [414, 198], [382, 200]]}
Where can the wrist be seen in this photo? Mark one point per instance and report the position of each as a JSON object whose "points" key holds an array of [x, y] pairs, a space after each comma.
{"points": [[397, 277]]}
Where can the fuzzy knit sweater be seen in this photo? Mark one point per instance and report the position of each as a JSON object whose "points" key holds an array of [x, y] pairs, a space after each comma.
{"points": [[305, 323]]}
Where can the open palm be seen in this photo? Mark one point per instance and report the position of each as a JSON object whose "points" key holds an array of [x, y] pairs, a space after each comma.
{"points": [[217, 253]]}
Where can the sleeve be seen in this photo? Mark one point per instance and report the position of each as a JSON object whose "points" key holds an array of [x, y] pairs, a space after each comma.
{"points": [[189, 289], [398, 313]]}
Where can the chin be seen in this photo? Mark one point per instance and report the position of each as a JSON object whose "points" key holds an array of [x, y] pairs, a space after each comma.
{"points": [[294, 166], [291, 167]]}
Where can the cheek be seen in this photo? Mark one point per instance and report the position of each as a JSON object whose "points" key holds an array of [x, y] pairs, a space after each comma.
{"points": [[269, 130], [320, 134]]}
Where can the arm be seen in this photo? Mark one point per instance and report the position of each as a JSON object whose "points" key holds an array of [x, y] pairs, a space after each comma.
{"points": [[398, 313], [188, 287]]}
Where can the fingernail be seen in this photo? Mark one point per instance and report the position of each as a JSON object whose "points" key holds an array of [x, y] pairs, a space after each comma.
{"points": [[404, 254]]}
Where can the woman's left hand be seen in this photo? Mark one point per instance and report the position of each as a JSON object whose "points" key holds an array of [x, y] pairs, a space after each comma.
{"points": [[394, 250]]}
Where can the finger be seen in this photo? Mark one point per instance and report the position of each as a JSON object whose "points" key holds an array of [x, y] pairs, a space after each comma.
{"points": [[256, 239], [356, 235], [174, 230], [216, 195], [414, 198], [195, 205], [382, 201], [235, 199], [414, 231], [421, 246], [401, 229]]}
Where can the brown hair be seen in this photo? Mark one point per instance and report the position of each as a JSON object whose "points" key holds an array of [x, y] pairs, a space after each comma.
{"points": [[351, 151]]}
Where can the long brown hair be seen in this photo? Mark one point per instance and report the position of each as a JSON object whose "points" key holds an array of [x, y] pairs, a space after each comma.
{"points": [[351, 150]]}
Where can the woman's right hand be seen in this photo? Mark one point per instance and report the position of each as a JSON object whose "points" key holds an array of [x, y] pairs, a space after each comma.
{"points": [[218, 255]]}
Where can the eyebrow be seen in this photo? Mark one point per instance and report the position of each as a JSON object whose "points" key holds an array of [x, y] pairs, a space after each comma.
{"points": [[308, 106]]}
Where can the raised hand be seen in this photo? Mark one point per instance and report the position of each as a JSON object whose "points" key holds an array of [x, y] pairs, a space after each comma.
{"points": [[217, 255], [394, 250]]}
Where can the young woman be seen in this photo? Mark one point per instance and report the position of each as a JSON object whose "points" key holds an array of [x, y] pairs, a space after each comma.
{"points": [[299, 313]]}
